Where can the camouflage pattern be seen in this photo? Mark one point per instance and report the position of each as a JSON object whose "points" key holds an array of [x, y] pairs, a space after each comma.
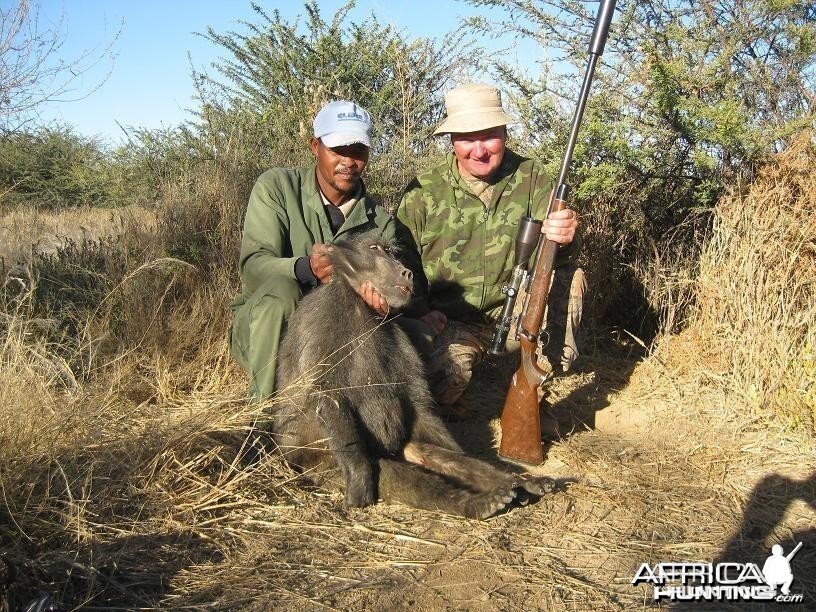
{"points": [[456, 351], [562, 319], [465, 245], [461, 346], [464, 235]]}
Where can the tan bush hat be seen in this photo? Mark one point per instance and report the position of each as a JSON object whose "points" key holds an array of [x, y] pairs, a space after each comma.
{"points": [[472, 108]]}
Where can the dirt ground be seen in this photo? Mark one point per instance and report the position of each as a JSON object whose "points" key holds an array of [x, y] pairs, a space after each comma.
{"points": [[648, 473], [646, 481], [654, 466]]}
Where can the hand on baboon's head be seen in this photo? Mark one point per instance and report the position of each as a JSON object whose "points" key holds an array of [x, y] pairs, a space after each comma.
{"points": [[321, 262], [369, 266]]}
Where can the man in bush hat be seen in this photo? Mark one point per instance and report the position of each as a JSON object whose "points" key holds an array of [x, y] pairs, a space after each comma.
{"points": [[292, 216], [463, 215]]}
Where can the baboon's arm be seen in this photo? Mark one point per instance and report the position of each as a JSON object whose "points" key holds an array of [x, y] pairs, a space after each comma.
{"points": [[471, 472], [349, 450]]}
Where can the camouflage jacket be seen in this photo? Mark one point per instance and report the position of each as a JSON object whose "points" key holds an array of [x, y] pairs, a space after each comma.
{"points": [[463, 249]]}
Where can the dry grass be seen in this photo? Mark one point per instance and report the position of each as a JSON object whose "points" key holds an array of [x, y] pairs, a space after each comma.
{"points": [[132, 474], [170, 502], [25, 229], [754, 326]]}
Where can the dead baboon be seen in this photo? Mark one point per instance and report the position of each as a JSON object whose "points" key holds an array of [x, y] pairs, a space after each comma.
{"points": [[353, 399]]}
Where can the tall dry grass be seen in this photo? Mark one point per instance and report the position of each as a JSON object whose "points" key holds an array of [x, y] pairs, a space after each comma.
{"points": [[114, 374], [118, 439], [26, 230], [753, 326]]}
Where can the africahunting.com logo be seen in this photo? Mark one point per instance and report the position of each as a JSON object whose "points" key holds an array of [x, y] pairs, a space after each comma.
{"points": [[724, 581]]}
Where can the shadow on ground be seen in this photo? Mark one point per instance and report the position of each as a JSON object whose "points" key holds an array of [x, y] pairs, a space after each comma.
{"points": [[570, 404], [126, 572], [769, 503]]}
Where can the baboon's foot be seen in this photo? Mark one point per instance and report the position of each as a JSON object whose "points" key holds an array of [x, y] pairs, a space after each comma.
{"points": [[536, 485], [485, 505], [360, 491]]}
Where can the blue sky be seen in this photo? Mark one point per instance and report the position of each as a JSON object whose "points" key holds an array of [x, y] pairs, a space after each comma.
{"points": [[149, 83]]}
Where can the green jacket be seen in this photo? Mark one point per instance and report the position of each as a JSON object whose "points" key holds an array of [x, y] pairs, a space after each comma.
{"points": [[285, 217], [466, 248]]}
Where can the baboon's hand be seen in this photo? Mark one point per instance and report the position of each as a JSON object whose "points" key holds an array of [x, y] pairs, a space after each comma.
{"points": [[360, 490], [320, 262], [436, 320]]}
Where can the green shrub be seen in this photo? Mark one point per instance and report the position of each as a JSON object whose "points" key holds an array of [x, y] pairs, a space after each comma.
{"points": [[52, 167], [689, 99], [258, 106]]}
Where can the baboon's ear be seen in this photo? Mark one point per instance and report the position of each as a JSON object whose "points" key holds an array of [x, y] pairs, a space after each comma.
{"points": [[341, 256]]}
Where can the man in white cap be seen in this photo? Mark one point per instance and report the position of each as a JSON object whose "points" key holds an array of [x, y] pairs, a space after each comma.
{"points": [[292, 216], [463, 215]]}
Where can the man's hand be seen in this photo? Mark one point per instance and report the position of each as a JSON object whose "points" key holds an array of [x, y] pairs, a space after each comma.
{"points": [[436, 321], [320, 262], [560, 226], [373, 298]]}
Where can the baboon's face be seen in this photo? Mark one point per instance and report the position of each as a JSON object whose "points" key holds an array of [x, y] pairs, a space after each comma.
{"points": [[371, 260]]}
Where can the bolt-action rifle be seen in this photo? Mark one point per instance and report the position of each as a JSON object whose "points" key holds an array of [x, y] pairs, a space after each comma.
{"points": [[520, 419]]}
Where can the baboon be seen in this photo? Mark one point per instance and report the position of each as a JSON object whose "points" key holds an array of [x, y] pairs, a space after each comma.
{"points": [[354, 400]]}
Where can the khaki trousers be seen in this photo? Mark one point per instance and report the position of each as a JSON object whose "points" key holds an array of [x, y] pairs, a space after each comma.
{"points": [[461, 346]]}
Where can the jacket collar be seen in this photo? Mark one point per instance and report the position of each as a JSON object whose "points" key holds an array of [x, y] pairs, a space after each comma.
{"points": [[363, 213]]}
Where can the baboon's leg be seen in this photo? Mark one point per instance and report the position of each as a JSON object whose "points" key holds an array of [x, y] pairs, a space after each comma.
{"points": [[429, 429], [414, 486], [301, 440], [471, 472], [349, 450]]}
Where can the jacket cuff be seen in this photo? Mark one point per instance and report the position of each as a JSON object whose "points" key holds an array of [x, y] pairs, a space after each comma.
{"points": [[304, 274], [568, 254]]}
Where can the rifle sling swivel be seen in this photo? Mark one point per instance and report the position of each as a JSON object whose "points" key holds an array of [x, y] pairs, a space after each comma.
{"points": [[542, 338]]}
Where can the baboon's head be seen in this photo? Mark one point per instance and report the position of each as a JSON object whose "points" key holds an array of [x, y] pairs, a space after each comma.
{"points": [[371, 259]]}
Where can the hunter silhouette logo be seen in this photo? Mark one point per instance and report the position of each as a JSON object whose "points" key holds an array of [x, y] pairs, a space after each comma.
{"points": [[777, 569], [725, 581]]}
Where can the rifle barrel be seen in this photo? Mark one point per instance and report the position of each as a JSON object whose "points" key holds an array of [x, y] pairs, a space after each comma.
{"points": [[793, 552], [520, 419], [596, 47], [602, 23]]}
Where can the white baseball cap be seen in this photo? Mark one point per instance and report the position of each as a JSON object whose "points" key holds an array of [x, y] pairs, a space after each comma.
{"points": [[342, 123]]}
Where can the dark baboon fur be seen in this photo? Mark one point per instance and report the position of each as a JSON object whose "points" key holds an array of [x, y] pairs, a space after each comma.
{"points": [[353, 400]]}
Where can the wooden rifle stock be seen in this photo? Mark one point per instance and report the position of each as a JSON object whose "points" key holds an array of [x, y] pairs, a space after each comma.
{"points": [[520, 419]]}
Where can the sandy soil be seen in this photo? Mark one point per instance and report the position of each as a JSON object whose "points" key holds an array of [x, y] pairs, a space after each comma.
{"points": [[647, 482], [654, 465]]}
